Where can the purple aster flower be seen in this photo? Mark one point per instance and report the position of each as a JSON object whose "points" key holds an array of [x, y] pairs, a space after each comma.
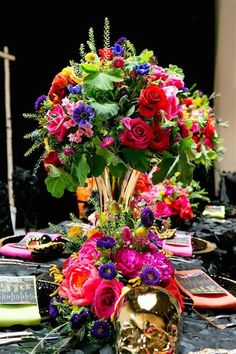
{"points": [[150, 276], [106, 242], [142, 69], [185, 89], [120, 40], [39, 101], [117, 50], [83, 114], [147, 217], [107, 142], [107, 271], [101, 330], [52, 310], [74, 89], [78, 320]]}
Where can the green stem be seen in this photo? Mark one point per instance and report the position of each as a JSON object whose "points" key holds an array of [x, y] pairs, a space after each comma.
{"points": [[45, 338]]}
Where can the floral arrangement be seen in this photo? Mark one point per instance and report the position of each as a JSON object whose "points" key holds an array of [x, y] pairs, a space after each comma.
{"points": [[199, 122], [170, 201], [116, 109], [120, 253]]}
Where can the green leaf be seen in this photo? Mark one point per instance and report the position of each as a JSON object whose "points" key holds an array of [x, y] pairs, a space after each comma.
{"points": [[116, 75], [168, 167], [105, 110], [145, 56], [136, 158], [97, 165], [130, 111], [56, 186], [80, 170], [117, 170], [89, 68], [100, 81]]}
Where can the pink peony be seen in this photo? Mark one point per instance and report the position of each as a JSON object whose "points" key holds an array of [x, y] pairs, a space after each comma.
{"points": [[129, 262], [126, 235], [160, 262], [80, 283], [106, 296], [88, 252]]}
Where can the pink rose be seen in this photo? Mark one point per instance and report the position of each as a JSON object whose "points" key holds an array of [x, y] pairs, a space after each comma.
{"points": [[57, 119], [80, 284], [138, 134], [172, 108], [129, 262], [174, 80], [162, 210], [106, 296]]}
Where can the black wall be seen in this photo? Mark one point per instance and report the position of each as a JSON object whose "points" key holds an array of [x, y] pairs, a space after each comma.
{"points": [[44, 37]]}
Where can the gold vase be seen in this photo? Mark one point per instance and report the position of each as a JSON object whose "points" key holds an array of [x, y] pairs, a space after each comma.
{"points": [[112, 188], [149, 321]]}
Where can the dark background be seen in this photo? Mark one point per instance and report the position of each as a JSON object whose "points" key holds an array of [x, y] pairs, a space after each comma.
{"points": [[45, 36]]}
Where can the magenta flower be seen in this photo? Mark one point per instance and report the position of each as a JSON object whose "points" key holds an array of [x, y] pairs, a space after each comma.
{"points": [[107, 142]]}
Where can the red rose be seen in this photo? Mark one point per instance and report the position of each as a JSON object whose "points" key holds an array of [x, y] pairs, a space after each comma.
{"points": [[209, 130], [161, 139], [186, 214], [138, 134], [152, 99]]}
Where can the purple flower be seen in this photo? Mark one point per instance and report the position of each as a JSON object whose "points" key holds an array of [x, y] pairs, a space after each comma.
{"points": [[107, 142], [147, 217], [83, 114], [120, 40], [78, 320], [107, 271], [39, 101], [74, 89], [150, 276], [106, 242], [101, 330], [117, 50], [142, 69], [52, 310], [160, 262]]}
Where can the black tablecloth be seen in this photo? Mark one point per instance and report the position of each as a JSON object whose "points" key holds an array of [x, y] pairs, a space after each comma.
{"points": [[197, 333]]}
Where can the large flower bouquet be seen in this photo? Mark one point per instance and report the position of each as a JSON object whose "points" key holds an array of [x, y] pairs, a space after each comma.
{"points": [[120, 254], [115, 109]]}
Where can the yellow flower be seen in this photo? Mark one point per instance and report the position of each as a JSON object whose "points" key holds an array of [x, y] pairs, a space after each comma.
{"points": [[75, 231], [135, 282], [186, 115], [69, 72], [90, 57], [47, 147], [167, 200], [197, 101], [91, 232], [141, 231]]}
